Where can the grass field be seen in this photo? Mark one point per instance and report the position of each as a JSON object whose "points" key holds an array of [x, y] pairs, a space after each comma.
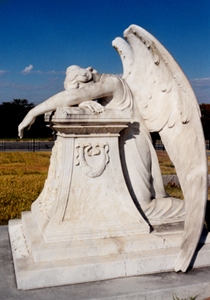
{"points": [[22, 176]]}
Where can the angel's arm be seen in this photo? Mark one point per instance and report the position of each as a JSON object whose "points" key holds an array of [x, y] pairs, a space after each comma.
{"points": [[107, 86]]}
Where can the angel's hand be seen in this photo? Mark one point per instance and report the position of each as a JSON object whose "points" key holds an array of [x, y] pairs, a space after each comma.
{"points": [[92, 106], [27, 122]]}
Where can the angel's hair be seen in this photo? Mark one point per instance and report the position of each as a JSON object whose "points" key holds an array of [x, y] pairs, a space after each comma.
{"points": [[75, 75]]}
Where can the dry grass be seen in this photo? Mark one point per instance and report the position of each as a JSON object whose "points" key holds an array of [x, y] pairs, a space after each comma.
{"points": [[166, 166], [22, 177]]}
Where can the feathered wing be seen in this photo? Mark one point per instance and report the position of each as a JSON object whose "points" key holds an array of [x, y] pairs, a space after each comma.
{"points": [[168, 105]]}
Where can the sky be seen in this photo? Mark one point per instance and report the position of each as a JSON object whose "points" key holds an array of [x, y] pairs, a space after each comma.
{"points": [[39, 39]]}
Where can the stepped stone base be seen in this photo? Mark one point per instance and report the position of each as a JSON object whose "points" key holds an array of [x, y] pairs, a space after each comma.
{"points": [[37, 265]]}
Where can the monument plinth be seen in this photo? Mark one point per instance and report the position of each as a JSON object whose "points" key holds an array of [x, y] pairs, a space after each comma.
{"points": [[104, 212], [85, 204]]}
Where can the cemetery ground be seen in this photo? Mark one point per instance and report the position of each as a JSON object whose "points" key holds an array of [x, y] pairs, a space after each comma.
{"points": [[22, 177]]}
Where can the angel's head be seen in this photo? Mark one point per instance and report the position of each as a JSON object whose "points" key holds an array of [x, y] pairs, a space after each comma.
{"points": [[77, 77]]}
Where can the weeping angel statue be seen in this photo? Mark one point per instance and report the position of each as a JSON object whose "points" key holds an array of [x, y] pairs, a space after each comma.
{"points": [[160, 99]]}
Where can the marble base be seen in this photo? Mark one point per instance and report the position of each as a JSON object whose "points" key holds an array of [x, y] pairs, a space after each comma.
{"points": [[39, 264], [84, 226], [153, 287]]}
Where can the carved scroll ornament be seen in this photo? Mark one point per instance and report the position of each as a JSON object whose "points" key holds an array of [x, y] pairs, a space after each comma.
{"points": [[87, 150]]}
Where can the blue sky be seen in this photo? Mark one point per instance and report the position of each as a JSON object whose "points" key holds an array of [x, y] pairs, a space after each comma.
{"points": [[39, 39]]}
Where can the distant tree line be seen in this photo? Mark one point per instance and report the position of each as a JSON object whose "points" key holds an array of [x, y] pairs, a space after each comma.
{"points": [[12, 113], [205, 118]]}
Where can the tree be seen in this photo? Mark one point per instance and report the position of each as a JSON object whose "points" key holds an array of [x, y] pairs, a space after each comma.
{"points": [[12, 113], [205, 119], [18, 103]]}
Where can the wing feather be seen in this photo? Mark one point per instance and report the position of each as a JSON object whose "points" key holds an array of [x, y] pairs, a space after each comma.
{"points": [[125, 53], [168, 105]]}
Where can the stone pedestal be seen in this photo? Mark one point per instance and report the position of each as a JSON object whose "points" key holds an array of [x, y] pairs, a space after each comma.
{"points": [[84, 225]]}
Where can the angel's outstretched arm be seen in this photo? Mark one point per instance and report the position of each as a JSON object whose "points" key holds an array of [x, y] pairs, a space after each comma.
{"points": [[110, 85], [49, 105]]}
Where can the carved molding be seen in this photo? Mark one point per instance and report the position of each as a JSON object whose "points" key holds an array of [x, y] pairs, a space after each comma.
{"points": [[88, 150], [18, 241]]}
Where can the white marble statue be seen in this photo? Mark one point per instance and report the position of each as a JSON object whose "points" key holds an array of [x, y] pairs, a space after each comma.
{"points": [[159, 97]]}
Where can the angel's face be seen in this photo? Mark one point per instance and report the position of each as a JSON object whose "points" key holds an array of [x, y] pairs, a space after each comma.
{"points": [[84, 75]]}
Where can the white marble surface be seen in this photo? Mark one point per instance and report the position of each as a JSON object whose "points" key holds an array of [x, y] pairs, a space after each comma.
{"points": [[104, 195], [161, 286], [38, 264]]}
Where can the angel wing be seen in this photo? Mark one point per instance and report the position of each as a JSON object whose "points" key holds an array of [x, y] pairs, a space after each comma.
{"points": [[168, 105]]}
